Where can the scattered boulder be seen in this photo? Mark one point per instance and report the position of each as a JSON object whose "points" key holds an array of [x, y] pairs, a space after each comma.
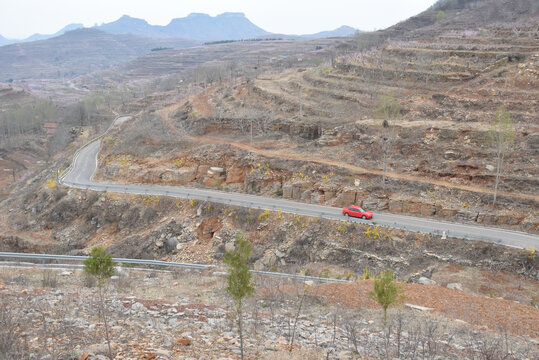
{"points": [[305, 196], [466, 215], [183, 341], [438, 97], [287, 191], [138, 307], [216, 170], [533, 140], [202, 170], [395, 206], [418, 307], [163, 353], [454, 286], [98, 349], [426, 281], [235, 175], [208, 227], [212, 181], [451, 155], [185, 175], [171, 243], [427, 210], [347, 197], [229, 246], [446, 213]]}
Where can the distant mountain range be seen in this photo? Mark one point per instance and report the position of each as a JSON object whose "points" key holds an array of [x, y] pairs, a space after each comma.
{"points": [[4, 41], [196, 26], [35, 37], [339, 32], [77, 52], [202, 27]]}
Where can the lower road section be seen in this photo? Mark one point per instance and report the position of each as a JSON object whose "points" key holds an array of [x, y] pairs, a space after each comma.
{"points": [[80, 173]]}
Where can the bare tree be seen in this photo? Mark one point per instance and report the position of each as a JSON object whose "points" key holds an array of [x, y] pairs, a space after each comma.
{"points": [[387, 109], [425, 69], [11, 341], [292, 329], [502, 137], [300, 103]]}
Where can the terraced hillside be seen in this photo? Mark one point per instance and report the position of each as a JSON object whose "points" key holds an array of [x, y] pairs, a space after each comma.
{"points": [[313, 122], [218, 61]]}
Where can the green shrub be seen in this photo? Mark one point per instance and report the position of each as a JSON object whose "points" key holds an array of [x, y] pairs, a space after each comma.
{"points": [[386, 292]]}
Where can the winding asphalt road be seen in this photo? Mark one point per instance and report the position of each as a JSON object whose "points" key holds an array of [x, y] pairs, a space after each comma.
{"points": [[79, 175]]}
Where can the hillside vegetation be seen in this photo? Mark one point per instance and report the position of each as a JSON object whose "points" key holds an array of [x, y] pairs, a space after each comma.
{"points": [[397, 121]]}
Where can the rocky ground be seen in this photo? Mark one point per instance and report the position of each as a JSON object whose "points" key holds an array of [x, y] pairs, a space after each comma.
{"points": [[314, 140], [56, 220], [441, 162], [185, 315]]}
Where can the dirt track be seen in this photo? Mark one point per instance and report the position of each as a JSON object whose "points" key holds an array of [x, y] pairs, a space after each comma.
{"points": [[290, 156]]}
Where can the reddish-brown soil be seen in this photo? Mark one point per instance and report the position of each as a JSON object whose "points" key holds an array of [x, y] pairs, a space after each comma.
{"points": [[476, 310]]}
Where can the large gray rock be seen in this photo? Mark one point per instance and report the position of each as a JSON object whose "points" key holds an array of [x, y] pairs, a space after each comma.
{"points": [[138, 307], [533, 140], [98, 349], [171, 243], [217, 170], [426, 281], [229, 246], [467, 215], [287, 191], [181, 176], [455, 286], [451, 155], [111, 170], [305, 195]]}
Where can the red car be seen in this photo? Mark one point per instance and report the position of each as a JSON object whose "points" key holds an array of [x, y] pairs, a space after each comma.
{"points": [[357, 211]]}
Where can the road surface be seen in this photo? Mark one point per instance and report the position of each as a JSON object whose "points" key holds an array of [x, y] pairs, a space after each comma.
{"points": [[79, 175]]}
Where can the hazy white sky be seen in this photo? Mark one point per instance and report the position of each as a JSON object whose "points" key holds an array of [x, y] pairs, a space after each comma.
{"points": [[21, 18]]}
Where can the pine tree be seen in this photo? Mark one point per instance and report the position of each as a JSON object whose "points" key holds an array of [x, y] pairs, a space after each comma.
{"points": [[101, 266], [386, 292], [239, 284]]}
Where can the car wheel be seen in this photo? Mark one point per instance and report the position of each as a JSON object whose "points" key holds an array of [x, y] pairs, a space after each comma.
{"points": [[346, 215], [363, 217]]}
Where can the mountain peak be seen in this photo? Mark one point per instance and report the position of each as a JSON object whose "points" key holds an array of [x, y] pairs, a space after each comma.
{"points": [[232, 15], [129, 19], [203, 27], [197, 15]]}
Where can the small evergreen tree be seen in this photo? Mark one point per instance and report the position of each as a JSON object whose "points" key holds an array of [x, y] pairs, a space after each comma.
{"points": [[386, 292], [101, 267], [239, 284], [440, 16]]}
